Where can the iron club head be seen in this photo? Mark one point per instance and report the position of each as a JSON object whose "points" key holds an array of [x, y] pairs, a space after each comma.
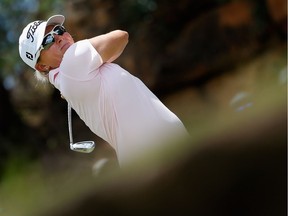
{"points": [[83, 147]]}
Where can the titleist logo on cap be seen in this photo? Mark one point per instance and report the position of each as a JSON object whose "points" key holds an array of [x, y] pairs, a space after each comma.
{"points": [[32, 29]]}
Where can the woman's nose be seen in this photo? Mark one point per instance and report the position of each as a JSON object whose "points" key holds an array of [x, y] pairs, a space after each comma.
{"points": [[58, 38]]}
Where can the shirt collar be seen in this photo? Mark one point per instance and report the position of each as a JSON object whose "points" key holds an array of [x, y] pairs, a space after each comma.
{"points": [[53, 76]]}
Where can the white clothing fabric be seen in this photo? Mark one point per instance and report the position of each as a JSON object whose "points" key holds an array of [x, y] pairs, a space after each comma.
{"points": [[113, 103]]}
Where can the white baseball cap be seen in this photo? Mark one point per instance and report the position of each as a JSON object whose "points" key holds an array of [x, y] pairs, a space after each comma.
{"points": [[32, 36]]}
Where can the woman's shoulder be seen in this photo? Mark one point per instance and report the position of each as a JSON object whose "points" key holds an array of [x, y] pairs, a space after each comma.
{"points": [[80, 59]]}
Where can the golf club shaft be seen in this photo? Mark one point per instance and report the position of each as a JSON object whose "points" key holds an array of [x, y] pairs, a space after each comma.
{"points": [[70, 123]]}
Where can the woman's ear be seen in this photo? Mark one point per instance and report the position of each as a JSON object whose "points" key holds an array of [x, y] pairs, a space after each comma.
{"points": [[42, 67]]}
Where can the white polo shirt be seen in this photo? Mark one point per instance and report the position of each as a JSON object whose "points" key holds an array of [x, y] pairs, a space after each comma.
{"points": [[113, 103]]}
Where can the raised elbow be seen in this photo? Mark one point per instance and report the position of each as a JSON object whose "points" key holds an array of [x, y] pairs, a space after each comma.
{"points": [[120, 34], [124, 35]]}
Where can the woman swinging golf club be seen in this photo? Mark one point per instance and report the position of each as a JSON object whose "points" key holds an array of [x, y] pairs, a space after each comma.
{"points": [[114, 104]]}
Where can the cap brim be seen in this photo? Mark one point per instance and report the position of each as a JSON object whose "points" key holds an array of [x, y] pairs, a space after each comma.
{"points": [[56, 19]]}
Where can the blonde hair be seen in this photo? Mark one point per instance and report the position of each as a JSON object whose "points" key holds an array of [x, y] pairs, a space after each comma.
{"points": [[41, 76]]}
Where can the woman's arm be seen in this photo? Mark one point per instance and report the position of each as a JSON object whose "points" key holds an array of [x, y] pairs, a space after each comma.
{"points": [[110, 45]]}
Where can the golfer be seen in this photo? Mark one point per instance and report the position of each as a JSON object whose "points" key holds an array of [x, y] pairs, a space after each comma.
{"points": [[113, 103]]}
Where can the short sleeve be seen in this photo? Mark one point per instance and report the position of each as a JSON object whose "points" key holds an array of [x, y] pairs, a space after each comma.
{"points": [[81, 61]]}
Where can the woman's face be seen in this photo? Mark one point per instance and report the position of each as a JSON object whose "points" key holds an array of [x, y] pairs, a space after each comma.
{"points": [[52, 56]]}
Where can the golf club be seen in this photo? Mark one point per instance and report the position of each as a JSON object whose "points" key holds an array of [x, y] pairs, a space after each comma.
{"points": [[84, 146]]}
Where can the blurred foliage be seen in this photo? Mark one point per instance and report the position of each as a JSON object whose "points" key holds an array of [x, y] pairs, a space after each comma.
{"points": [[138, 10], [19, 142]]}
